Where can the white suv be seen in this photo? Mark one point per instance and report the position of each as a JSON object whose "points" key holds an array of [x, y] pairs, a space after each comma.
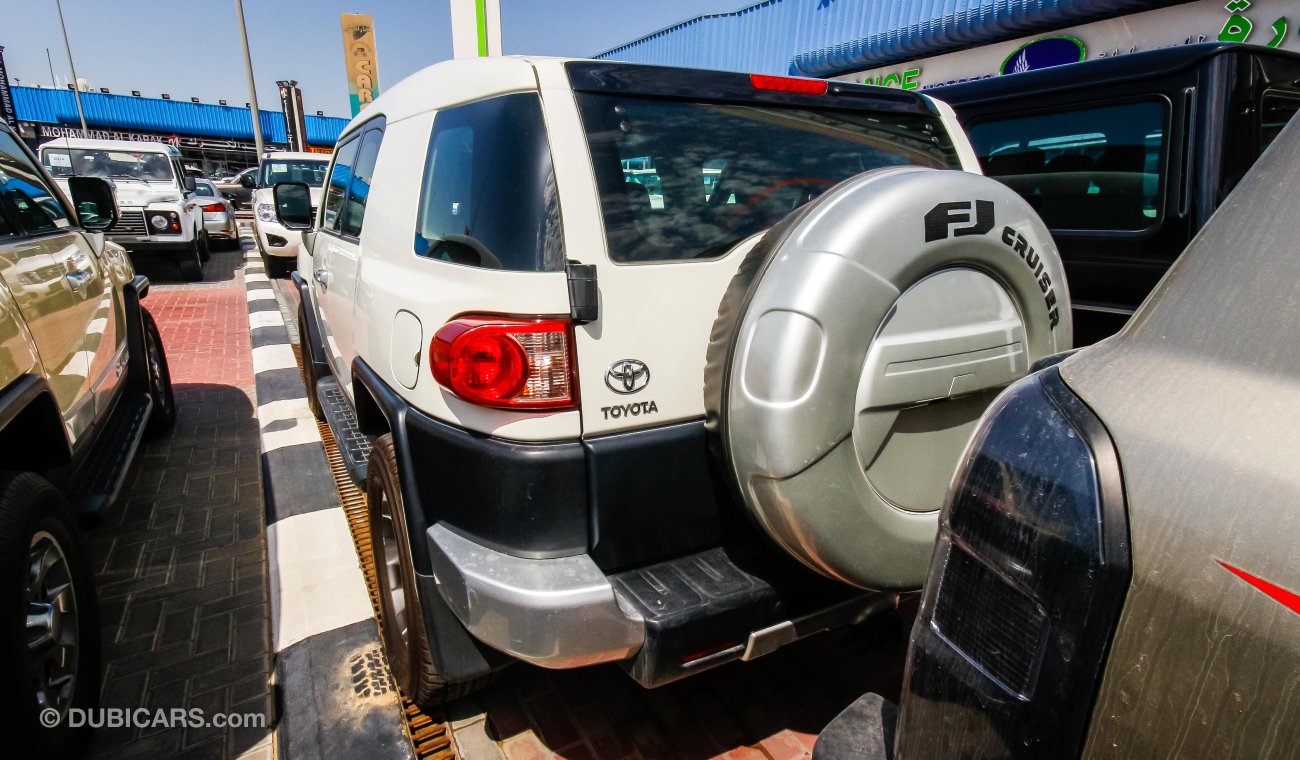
{"points": [[159, 213], [652, 365], [279, 246]]}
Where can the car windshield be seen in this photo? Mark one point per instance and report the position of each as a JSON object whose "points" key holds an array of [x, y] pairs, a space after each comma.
{"points": [[277, 170], [110, 164], [688, 180], [204, 189]]}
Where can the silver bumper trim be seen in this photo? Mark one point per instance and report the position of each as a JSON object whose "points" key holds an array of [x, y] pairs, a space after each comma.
{"points": [[556, 613]]}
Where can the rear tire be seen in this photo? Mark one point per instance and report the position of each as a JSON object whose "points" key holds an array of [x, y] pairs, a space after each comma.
{"points": [[309, 376], [190, 262], [38, 530], [277, 266], [401, 619], [159, 378], [205, 248], [841, 461]]}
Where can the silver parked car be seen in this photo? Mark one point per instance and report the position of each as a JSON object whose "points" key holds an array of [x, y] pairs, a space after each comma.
{"points": [[1117, 573], [218, 213]]}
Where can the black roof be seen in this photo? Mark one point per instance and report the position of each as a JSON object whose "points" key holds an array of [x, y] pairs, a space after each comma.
{"points": [[1144, 65]]}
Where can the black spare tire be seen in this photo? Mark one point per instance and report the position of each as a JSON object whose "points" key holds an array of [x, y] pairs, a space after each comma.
{"points": [[855, 350]]}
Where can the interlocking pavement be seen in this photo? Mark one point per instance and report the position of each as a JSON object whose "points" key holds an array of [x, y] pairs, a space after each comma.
{"points": [[769, 709], [180, 559]]}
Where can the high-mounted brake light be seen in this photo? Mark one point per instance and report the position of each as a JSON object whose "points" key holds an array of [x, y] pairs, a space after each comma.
{"points": [[788, 84], [505, 362], [214, 207]]}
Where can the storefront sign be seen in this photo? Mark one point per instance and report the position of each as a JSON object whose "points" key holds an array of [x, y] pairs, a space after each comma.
{"points": [[1257, 22], [7, 113], [45, 132], [359, 59]]}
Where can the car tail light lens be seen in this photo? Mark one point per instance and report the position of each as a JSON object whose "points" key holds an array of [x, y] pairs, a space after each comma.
{"points": [[1025, 586], [788, 84], [212, 207], [506, 363]]}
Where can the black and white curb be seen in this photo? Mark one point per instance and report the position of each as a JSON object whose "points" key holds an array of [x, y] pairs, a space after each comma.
{"points": [[334, 696]]}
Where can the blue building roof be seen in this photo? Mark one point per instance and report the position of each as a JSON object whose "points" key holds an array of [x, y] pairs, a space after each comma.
{"points": [[49, 106], [824, 38]]}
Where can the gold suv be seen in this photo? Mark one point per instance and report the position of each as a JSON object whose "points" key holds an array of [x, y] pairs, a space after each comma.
{"points": [[83, 378]]}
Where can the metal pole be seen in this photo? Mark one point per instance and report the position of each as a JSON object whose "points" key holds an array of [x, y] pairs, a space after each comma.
{"points": [[252, 88], [76, 83]]}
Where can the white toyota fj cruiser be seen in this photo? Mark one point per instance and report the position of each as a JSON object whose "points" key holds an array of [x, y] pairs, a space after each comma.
{"points": [[610, 344], [159, 213]]}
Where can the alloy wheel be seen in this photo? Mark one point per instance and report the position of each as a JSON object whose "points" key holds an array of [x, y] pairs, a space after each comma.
{"points": [[52, 626]]}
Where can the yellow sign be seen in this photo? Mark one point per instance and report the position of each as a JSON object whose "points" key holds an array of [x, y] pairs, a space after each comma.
{"points": [[359, 58]]}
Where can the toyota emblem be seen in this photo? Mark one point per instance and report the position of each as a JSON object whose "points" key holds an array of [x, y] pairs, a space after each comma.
{"points": [[627, 376]]}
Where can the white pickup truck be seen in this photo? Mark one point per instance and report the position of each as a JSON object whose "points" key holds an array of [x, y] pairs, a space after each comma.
{"points": [[650, 365], [160, 214]]}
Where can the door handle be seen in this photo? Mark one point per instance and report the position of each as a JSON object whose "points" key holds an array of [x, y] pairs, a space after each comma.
{"points": [[79, 280], [321, 275]]}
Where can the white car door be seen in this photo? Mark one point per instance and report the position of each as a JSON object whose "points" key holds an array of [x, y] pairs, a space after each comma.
{"points": [[330, 247], [341, 254]]}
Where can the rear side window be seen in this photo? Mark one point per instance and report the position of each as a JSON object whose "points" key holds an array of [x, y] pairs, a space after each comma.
{"points": [[488, 198], [336, 190], [685, 180], [1083, 169], [1277, 108], [37, 209]]}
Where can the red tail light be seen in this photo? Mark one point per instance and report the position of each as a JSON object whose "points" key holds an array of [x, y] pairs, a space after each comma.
{"points": [[214, 207], [506, 363], [788, 84]]}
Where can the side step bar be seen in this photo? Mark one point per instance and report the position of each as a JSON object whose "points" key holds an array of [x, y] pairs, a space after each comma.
{"points": [[101, 475], [342, 418], [705, 609]]}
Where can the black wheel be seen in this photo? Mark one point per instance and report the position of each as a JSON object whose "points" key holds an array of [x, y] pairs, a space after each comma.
{"points": [[309, 376], [278, 266], [190, 262], [163, 416], [401, 620], [49, 637], [205, 247]]}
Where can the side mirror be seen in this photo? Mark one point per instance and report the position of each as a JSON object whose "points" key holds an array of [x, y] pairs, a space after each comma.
{"points": [[188, 183], [248, 181], [95, 202], [293, 205]]}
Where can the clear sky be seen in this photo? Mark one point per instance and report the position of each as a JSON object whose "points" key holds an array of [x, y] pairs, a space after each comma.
{"points": [[191, 49]]}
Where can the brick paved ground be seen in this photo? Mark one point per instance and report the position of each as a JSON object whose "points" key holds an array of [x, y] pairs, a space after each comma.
{"points": [[769, 709], [180, 560]]}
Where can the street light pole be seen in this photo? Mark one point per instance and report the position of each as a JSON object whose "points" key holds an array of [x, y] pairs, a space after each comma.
{"points": [[256, 112], [76, 83]]}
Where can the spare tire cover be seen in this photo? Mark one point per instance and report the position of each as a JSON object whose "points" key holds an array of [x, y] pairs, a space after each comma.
{"points": [[855, 350]]}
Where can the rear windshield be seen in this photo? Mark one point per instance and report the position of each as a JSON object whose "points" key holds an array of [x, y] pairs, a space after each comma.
{"points": [[683, 180]]}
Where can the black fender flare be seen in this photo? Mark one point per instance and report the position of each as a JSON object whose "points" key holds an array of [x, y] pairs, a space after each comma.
{"points": [[313, 343], [133, 293]]}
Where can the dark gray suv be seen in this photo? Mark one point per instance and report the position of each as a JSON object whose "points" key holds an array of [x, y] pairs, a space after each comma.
{"points": [[1116, 574]]}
